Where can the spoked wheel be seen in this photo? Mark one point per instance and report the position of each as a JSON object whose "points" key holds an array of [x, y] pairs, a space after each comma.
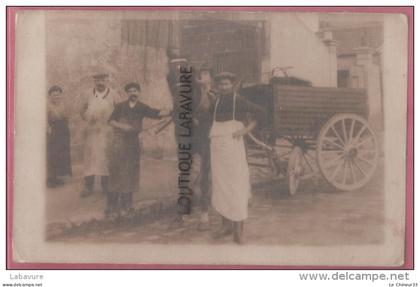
{"points": [[286, 148], [271, 159], [347, 152], [300, 159], [295, 170]]}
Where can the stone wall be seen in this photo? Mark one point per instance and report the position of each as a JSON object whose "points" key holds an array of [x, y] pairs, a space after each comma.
{"points": [[76, 48]]}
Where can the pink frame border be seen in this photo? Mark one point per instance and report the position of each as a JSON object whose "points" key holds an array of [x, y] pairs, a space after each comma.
{"points": [[10, 58]]}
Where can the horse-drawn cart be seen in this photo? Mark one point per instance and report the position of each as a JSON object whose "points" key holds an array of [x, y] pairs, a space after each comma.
{"points": [[306, 130]]}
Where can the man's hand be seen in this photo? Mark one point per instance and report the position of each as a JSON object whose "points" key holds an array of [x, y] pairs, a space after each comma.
{"points": [[122, 126], [165, 113], [126, 127], [238, 134], [212, 94], [92, 121]]}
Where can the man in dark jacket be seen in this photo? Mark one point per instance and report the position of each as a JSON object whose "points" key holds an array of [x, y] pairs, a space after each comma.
{"points": [[201, 117], [202, 121], [124, 168]]}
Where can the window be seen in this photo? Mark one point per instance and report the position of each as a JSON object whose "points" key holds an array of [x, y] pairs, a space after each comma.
{"points": [[343, 79]]}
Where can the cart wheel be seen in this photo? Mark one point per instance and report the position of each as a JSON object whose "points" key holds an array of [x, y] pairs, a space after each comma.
{"points": [[283, 151], [295, 170], [347, 152]]}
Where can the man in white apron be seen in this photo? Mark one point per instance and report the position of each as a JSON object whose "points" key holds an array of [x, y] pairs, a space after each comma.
{"points": [[97, 108], [231, 187]]}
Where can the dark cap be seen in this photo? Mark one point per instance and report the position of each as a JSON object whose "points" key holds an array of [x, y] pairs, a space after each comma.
{"points": [[100, 76], [178, 61], [54, 88], [225, 75], [132, 85]]}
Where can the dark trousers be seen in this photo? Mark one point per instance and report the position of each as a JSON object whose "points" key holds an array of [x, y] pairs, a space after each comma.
{"points": [[204, 152], [90, 180], [118, 200]]}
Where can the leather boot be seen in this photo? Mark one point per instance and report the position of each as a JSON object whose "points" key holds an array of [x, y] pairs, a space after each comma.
{"points": [[204, 223], [238, 228], [225, 229], [88, 186], [104, 184]]}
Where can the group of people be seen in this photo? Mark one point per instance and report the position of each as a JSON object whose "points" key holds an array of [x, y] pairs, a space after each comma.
{"points": [[111, 148], [221, 119]]}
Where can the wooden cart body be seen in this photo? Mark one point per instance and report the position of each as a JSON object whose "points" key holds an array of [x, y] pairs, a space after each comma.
{"points": [[308, 123]]}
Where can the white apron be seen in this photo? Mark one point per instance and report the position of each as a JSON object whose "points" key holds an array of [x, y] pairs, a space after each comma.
{"points": [[97, 134], [231, 188]]}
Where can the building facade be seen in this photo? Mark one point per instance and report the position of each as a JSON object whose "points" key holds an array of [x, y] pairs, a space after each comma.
{"points": [[359, 58], [133, 48]]}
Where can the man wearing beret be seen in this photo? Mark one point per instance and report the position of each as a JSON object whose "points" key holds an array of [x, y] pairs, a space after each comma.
{"points": [[98, 104], [127, 120]]}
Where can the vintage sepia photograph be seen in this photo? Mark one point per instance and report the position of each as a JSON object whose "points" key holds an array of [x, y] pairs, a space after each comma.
{"points": [[210, 137]]}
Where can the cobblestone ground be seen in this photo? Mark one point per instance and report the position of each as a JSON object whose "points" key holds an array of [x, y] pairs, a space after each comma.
{"points": [[316, 215], [65, 204]]}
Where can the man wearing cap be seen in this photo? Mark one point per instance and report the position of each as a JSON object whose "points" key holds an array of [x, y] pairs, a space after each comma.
{"points": [[98, 104], [127, 120], [233, 118], [202, 121], [175, 64]]}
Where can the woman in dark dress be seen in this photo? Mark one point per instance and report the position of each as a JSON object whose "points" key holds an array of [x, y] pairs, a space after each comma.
{"points": [[58, 138]]}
